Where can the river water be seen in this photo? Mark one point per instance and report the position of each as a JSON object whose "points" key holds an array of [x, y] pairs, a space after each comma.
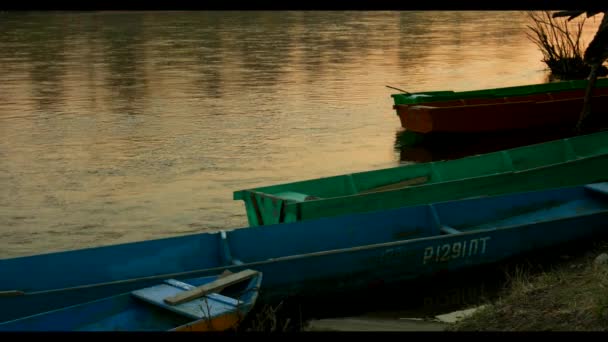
{"points": [[123, 126]]}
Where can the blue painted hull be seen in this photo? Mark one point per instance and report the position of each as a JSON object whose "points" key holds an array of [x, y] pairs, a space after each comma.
{"points": [[126, 312], [318, 256]]}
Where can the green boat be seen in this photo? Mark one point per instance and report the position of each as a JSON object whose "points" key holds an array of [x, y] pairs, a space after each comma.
{"points": [[524, 90], [565, 162]]}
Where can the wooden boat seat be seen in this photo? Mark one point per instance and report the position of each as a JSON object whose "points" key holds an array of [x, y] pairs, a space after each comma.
{"points": [[599, 188], [438, 227], [210, 288], [449, 230], [295, 196], [198, 308]]}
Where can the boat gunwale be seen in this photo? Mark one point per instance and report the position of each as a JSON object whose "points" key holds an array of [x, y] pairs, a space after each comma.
{"points": [[293, 203], [434, 108], [447, 95], [241, 194], [348, 250]]}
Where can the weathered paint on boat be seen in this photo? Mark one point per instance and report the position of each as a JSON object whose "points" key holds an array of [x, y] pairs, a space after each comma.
{"points": [[129, 312], [570, 161], [496, 115], [336, 254]]}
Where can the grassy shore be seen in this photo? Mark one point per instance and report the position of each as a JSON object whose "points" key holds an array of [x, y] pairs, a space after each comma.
{"points": [[556, 290], [570, 296]]}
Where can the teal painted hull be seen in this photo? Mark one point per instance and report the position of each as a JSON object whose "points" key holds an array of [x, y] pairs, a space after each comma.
{"points": [[563, 162], [318, 257]]}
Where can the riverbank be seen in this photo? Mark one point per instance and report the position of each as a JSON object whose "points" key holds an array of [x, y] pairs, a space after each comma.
{"points": [[570, 296]]}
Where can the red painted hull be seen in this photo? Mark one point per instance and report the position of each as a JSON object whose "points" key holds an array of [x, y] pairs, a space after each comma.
{"points": [[500, 114]]}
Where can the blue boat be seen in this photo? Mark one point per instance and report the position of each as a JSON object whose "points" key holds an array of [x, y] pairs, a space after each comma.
{"points": [[198, 308], [317, 257]]}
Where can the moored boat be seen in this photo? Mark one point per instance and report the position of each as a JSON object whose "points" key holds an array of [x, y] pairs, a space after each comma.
{"points": [[497, 117], [212, 303], [500, 109], [569, 161], [317, 257]]}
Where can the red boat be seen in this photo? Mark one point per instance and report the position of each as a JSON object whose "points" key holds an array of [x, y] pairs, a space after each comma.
{"points": [[475, 115]]}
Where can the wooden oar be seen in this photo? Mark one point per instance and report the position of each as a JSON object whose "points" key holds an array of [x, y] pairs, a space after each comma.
{"points": [[401, 90], [214, 286]]}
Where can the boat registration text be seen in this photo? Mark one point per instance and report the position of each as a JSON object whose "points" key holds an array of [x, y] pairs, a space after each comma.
{"points": [[455, 250]]}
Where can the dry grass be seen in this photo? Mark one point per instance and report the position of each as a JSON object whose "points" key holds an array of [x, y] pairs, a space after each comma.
{"points": [[571, 297], [270, 319]]}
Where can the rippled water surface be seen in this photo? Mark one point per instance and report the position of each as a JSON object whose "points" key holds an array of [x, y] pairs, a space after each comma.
{"points": [[121, 126]]}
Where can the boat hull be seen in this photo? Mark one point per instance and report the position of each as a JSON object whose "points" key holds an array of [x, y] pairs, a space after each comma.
{"points": [[126, 312], [556, 104], [503, 116], [531, 167], [330, 255]]}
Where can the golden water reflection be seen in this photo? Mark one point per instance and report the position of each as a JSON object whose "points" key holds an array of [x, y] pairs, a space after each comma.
{"points": [[121, 126]]}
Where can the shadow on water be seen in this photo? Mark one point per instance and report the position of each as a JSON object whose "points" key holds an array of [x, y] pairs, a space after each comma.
{"points": [[414, 147], [424, 298]]}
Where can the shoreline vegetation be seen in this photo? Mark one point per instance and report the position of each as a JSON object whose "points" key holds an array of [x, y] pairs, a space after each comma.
{"points": [[572, 295], [561, 43]]}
